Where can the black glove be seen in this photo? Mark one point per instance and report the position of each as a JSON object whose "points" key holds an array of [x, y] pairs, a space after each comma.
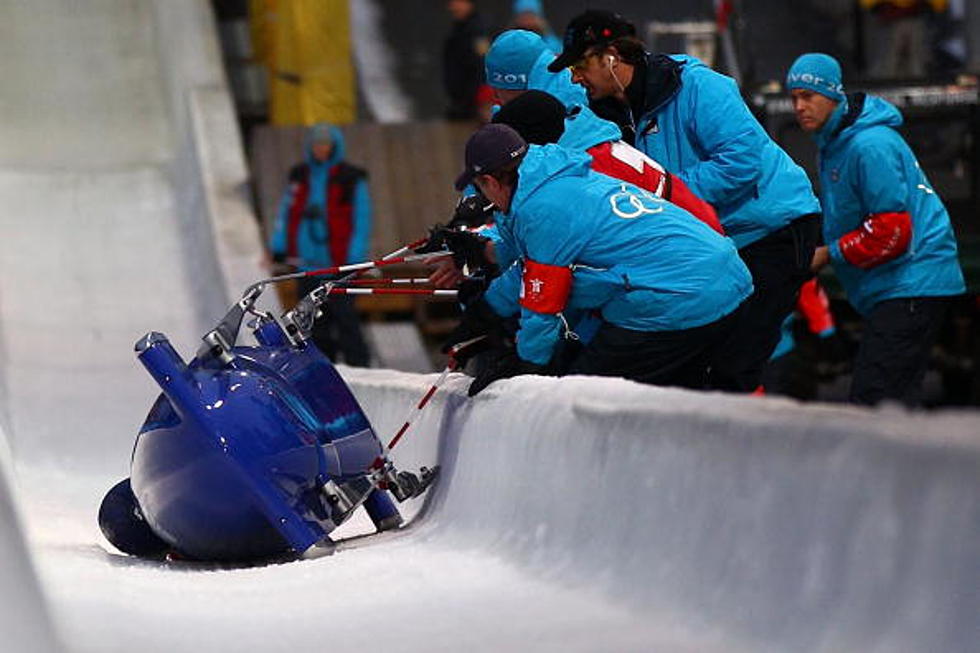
{"points": [[472, 211], [468, 248], [471, 288], [508, 364], [478, 319]]}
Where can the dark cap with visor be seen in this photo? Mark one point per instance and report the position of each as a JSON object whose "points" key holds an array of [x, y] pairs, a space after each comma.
{"points": [[590, 29], [490, 148]]}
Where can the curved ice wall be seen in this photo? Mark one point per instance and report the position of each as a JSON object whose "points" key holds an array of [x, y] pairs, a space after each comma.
{"points": [[772, 524], [123, 208], [24, 619]]}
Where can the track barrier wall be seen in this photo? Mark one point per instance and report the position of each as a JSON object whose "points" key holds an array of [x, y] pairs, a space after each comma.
{"points": [[144, 136], [775, 525], [24, 619], [210, 174]]}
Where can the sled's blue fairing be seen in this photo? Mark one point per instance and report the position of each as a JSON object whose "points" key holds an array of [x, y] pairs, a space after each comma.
{"points": [[231, 461]]}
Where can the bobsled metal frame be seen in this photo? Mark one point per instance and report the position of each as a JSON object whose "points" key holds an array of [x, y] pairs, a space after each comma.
{"points": [[297, 324]]}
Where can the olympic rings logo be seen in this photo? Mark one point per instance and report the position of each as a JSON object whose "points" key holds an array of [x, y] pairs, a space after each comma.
{"points": [[634, 206]]}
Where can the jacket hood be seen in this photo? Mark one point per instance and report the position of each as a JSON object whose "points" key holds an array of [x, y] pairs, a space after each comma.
{"points": [[339, 148], [543, 163], [584, 129], [855, 114]]}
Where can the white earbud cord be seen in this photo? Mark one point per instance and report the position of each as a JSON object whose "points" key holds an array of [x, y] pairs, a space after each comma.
{"points": [[609, 62], [622, 89]]}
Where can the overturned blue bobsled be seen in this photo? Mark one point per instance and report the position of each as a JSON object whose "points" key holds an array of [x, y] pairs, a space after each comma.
{"points": [[251, 452]]}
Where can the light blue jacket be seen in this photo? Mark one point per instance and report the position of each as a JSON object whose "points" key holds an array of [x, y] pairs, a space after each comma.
{"points": [[558, 84], [865, 168], [584, 129], [705, 134], [313, 239], [643, 262]]}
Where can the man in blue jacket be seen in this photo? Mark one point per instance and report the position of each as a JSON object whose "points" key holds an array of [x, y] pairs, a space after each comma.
{"points": [[888, 235], [324, 219], [694, 122], [667, 286]]}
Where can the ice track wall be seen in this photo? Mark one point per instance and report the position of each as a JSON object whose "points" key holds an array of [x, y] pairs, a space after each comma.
{"points": [[776, 525], [123, 208], [24, 619]]}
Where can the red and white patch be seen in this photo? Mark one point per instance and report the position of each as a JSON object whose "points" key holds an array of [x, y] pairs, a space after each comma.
{"points": [[545, 288]]}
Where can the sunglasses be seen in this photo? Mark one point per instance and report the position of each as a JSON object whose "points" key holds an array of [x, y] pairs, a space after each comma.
{"points": [[583, 63]]}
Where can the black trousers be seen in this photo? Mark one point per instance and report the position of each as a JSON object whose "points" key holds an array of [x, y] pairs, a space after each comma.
{"points": [[779, 264], [894, 352], [338, 329], [676, 358]]}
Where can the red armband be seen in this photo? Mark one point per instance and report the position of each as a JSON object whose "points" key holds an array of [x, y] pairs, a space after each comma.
{"points": [[678, 193], [815, 307], [881, 238], [545, 288]]}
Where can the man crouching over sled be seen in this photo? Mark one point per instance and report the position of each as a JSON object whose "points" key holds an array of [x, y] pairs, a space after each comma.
{"points": [[666, 286]]}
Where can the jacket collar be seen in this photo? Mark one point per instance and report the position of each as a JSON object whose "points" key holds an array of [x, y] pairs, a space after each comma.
{"points": [[653, 85], [845, 115], [662, 82]]}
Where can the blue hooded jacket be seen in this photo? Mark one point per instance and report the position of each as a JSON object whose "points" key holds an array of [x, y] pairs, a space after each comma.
{"points": [[697, 126], [534, 6], [644, 263], [865, 168], [558, 84], [518, 60], [584, 129], [312, 238]]}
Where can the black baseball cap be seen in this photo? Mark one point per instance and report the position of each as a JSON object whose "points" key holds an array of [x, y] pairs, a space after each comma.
{"points": [[537, 116], [588, 29], [489, 149]]}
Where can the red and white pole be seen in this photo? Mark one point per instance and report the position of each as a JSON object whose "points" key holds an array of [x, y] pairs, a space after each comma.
{"points": [[414, 411], [369, 265], [431, 292]]}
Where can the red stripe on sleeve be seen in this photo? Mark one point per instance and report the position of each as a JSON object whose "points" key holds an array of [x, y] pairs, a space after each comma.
{"points": [[882, 237]]}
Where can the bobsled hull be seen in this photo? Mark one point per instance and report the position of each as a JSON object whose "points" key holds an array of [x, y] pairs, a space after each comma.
{"points": [[230, 462]]}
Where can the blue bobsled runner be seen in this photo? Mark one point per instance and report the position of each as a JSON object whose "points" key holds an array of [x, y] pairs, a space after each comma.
{"points": [[251, 452]]}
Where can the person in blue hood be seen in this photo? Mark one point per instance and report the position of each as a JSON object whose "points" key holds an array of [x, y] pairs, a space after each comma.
{"points": [[324, 219], [667, 286], [888, 235], [695, 123], [518, 61], [529, 15]]}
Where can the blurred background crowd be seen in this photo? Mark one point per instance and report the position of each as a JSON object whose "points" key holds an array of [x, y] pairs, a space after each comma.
{"points": [[404, 82]]}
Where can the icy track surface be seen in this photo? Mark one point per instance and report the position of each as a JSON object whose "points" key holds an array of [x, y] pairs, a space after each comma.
{"points": [[571, 515]]}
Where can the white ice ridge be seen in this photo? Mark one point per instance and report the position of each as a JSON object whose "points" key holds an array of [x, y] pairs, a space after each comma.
{"points": [[762, 523]]}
